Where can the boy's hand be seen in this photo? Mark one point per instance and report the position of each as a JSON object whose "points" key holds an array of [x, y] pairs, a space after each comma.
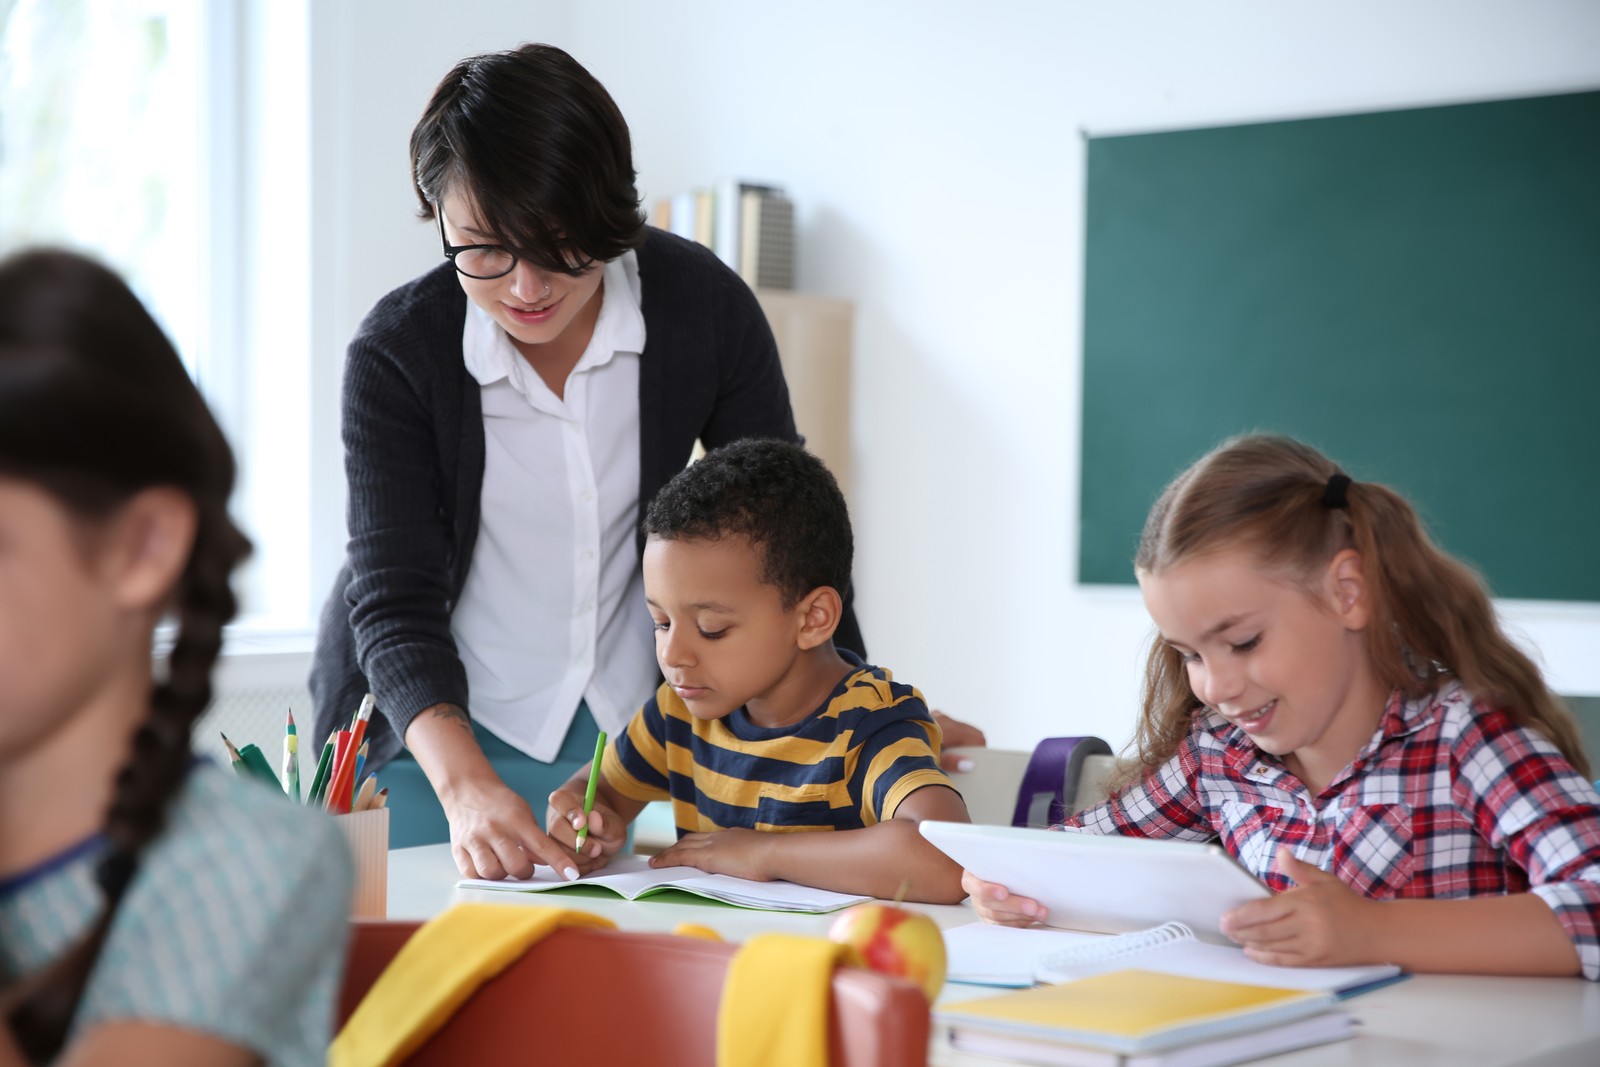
{"points": [[608, 831], [739, 852], [994, 903], [1321, 922]]}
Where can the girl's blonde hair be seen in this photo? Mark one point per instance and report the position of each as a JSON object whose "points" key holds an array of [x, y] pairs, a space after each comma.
{"points": [[1431, 617]]}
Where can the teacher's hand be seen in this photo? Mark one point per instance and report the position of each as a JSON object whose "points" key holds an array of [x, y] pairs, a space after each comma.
{"points": [[957, 734], [493, 833]]}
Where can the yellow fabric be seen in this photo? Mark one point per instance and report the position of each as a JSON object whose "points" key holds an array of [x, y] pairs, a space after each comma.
{"points": [[436, 971], [704, 933], [774, 1010]]}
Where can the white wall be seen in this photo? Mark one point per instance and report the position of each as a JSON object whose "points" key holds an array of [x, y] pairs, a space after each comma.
{"points": [[935, 151]]}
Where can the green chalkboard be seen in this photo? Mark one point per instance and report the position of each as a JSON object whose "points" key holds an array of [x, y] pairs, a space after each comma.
{"points": [[1416, 292]]}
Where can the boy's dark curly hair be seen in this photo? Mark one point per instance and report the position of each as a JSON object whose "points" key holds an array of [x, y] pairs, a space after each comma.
{"points": [[775, 493]]}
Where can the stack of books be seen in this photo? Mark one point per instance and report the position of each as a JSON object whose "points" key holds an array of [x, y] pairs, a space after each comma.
{"points": [[749, 225], [1134, 1018]]}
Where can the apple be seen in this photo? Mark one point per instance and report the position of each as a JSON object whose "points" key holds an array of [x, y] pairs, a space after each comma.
{"points": [[896, 941]]}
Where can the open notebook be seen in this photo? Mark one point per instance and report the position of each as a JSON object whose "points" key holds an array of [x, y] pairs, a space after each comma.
{"points": [[633, 878], [984, 954]]}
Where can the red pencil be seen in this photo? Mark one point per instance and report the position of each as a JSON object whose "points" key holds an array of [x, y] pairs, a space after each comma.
{"points": [[341, 765], [342, 791]]}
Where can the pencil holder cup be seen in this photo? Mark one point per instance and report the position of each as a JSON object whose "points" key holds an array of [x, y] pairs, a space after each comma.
{"points": [[368, 834]]}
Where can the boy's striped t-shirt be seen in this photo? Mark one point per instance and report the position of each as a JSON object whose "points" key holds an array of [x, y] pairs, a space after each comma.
{"points": [[846, 766]]}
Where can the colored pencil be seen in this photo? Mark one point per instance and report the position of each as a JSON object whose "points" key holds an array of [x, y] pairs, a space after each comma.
{"points": [[365, 794], [319, 780], [341, 788], [330, 788], [291, 760], [248, 762], [256, 760], [233, 755]]}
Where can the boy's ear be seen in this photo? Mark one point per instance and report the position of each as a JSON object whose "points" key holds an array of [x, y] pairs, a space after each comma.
{"points": [[819, 612], [1346, 580], [146, 547]]}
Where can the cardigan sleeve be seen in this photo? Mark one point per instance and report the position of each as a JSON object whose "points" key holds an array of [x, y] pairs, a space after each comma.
{"points": [[398, 428]]}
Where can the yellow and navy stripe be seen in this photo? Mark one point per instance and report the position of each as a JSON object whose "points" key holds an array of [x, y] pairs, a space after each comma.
{"points": [[848, 765]]}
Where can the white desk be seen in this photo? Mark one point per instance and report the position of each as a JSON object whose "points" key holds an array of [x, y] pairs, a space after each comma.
{"points": [[1424, 1021]]}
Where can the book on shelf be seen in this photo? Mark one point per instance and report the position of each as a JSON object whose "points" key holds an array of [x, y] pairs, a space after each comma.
{"points": [[1136, 1018], [766, 240], [681, 214], [729, 197], [705, 217], [632, 878], [985, 954], [749, 225]]}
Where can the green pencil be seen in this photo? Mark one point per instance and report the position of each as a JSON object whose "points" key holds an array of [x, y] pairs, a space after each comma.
{"points": [[258, 765], [588, 795], [320, 779]]}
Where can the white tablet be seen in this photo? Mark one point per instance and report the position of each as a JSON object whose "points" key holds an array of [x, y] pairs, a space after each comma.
{"points": [[1105, 884]]}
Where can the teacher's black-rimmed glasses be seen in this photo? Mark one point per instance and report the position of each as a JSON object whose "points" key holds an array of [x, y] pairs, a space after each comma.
{"points": [[475, 261]]}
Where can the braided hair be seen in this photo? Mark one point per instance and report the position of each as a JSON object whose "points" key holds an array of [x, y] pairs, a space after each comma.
{"points": [[95, 407]]}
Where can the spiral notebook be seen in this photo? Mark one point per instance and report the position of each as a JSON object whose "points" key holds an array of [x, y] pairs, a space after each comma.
{"points": [[984, 954], [1128, 1015], [1142, 1019]]}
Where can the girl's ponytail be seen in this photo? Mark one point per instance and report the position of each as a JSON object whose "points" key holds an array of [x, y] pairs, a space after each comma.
{"points": [[1294, 509], [1432, 616]]}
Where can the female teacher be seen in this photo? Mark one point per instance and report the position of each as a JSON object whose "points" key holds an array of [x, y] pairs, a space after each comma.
{"points": [[504, 417]]}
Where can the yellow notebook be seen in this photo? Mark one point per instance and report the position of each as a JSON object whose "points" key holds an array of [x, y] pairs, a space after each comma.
{"points": [[1131, 1011]]}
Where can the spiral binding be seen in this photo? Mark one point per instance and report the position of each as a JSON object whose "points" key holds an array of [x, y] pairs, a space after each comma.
{"points": [[1114, 947]]}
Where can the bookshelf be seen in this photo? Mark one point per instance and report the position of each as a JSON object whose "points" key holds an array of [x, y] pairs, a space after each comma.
{"points": [[814, 344]]}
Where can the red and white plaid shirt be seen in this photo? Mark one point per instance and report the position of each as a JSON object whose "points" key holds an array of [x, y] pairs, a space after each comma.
{"points": [[1450, 798]]}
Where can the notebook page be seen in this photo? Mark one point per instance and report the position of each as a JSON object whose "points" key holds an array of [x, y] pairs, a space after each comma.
{"points": [[1172, 949], [632, 876], [627, 875], [772, 896], [984, 954]]}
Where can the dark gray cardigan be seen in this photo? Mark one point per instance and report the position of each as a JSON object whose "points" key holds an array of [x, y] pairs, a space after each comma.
{"points": [[414, 456]]}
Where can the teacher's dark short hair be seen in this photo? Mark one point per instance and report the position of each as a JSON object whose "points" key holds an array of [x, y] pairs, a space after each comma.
{"points": [[540, 148]]}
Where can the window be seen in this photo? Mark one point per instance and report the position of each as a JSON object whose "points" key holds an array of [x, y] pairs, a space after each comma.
{"points": [[167, 138], [100, 142]]}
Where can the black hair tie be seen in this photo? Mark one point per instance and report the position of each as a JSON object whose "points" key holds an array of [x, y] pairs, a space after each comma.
{"points": [[1335, 493]]}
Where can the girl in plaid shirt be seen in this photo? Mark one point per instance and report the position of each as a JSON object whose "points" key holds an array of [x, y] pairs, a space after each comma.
{"points": [[1331, 697]]}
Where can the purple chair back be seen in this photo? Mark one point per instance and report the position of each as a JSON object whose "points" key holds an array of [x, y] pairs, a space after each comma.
{"points": [[1051, 779]]}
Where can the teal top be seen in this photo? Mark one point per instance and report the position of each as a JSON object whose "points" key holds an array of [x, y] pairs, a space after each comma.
{"points": [[234, 926]]}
